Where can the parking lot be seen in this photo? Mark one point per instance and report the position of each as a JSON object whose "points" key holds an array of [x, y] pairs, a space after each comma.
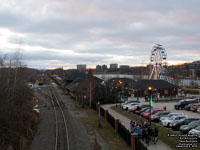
{"points": [[170, 107]]}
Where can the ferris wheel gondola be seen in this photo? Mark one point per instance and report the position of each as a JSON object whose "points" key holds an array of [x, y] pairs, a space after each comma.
{"points": [[158, 61]]}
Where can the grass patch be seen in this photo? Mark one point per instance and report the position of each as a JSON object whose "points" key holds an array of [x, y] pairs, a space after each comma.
{"points": [[107, 132], [163, 132]]}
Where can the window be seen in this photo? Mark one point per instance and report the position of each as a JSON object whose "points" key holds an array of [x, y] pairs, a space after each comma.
{"points": [[166, 92], [145, 92]]}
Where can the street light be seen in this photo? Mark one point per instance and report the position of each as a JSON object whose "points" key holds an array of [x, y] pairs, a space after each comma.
{"points": [[150, 88], [150, 101]]}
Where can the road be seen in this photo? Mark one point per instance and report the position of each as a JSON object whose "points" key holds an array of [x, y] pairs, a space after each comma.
{"points": [[45, 135]]}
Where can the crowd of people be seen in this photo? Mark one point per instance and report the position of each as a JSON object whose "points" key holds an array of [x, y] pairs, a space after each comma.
{"points": [[145, 131]]}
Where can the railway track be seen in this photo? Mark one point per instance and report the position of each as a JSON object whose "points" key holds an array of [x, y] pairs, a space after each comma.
{"points": [[61, 132]]}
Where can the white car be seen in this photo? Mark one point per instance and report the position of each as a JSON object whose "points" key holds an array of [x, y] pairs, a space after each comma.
{"points": [[130, 101], [198, 110], [172, 114], [126, 107], [133, 106], [172, 119], [195, 131]]}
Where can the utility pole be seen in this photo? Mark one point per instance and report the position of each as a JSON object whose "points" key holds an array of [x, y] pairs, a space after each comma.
{"points": [[91, 84]]}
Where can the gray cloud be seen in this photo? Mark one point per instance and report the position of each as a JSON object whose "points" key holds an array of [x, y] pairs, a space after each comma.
{"points": [[100, 31]]}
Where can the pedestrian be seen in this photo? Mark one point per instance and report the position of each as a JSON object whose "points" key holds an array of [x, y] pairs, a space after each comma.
{"points": [[155, 135], [185, 93], [136, 122], [146, 98], [143, 134], [131, 122], [138, 130], [131, 125], [142, 124], [149, 132], [147, 138]]}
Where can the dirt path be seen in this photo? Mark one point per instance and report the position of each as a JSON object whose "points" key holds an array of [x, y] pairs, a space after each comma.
{"points": [[46, 131]]}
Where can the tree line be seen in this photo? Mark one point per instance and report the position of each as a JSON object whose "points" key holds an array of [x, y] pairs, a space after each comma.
{"points": [[18, 121]]}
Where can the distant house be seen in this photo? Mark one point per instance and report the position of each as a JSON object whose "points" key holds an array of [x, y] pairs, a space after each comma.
{"points": [[160, 88]]}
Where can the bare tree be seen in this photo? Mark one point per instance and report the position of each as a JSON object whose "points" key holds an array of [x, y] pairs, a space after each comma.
{"points": [[15, 103], [16, 64]]}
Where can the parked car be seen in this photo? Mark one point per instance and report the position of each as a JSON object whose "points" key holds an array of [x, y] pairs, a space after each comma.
{"points": [[153, 111], [168, 121], [133, 110], [172, 114], [133, 105], [195, 107], [176, 125], [142, 110], [182, 103], [188, 107], [130, 101], [198, 110], [186, 128], [196, 97], [195, 131], [147, 110], [126, 106], [156, 117]]}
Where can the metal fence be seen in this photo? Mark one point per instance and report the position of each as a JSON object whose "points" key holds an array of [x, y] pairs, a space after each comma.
{"points": [[93, 106], [111, 119], [102, 111], [124, 133], [139, 145]]}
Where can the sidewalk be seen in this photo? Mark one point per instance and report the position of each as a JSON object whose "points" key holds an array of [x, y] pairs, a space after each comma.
{"points": [[126, 122]]}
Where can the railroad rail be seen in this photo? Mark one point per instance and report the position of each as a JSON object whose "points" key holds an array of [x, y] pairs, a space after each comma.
{"points": [[59, 111]]}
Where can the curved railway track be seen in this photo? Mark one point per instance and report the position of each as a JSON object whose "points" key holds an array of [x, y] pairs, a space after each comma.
{"points": [[61, 129], [63, 125]]}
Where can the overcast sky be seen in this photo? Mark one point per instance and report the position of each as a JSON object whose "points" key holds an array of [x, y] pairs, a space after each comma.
{"points": [[55, 33]]}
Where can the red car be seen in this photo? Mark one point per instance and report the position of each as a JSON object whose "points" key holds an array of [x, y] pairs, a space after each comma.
{"points": [[195, 107], [153, 111]]}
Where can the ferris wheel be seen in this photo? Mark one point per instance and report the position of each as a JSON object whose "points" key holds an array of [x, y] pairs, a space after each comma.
{"points": [[159, 63]]}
